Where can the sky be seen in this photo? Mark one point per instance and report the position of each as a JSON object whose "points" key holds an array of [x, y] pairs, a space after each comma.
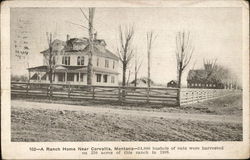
{"points": [[216, 33]]}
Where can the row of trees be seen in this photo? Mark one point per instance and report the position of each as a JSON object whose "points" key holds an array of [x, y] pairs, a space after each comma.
{"points": [[184, 52], [219, 73], [126, 51]]}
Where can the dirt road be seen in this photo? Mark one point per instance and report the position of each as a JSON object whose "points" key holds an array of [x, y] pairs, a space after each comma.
{"points": [[121, 112]]}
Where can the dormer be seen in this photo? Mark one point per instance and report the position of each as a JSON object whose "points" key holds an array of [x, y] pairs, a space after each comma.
{"points": [[76, 44]]}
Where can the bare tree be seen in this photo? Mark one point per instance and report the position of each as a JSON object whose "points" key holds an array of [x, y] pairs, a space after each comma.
{"points": [[50, 56], [138, 63], [150, 39], [129, 73], [125, 50], [184, 52], [49, 60], [90, 64], [210, 67], [90, 28]]}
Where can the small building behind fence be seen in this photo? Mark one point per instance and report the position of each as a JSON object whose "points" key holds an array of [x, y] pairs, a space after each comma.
{"points": [[172, 84]]}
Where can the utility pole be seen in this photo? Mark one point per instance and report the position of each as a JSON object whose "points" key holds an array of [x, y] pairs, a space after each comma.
{"points": [[135, 70], [149, 46], [90, 65], [50, 58]]}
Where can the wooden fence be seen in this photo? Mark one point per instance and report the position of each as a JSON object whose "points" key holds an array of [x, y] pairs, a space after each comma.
{"points": [[109, 93], [190, 95], [169, 96]]}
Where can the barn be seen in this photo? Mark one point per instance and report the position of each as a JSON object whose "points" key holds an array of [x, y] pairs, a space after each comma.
{"points": [[200, 78]]}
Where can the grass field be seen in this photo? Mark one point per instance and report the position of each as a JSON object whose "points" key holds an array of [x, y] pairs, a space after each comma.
{"points": [[229, 105], [55, 125]]}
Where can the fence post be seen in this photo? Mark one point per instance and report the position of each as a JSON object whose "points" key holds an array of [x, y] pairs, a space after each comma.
{"points": [[93, 92], [51, 90], [192, 97], [123, 94], [119, 94], [148, 95], [27, 88], [69, 90], [178, 98]]}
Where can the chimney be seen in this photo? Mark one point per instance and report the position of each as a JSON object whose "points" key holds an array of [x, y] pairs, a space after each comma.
{"points": [[68, 37]]}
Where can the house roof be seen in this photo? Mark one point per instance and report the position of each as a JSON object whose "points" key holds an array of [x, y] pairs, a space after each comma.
{"points": [[99, 50], [201, 75], [102, 70], [82, 44], [39, 68], [197, 75], [45, 68], [73, 69], [175, 81], [143, 80], [57, 45]]}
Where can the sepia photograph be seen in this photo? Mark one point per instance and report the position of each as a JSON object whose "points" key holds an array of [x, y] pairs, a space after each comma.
{"points": [[126, 74], [146, 74]]}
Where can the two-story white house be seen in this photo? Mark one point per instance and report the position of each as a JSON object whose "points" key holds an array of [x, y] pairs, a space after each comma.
{"points": [[70, 61]]}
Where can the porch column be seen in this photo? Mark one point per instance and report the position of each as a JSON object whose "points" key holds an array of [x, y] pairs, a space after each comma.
{"points": [[75, 77], [79, 74], [66, 75], [29, 76]]}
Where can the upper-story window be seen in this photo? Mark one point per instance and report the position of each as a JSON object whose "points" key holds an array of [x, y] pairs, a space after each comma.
{"points": [[80, 60], [106, 63], [66, 60], [97, 61], [113, 64]]}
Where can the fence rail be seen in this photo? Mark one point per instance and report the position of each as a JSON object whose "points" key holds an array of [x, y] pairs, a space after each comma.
{"points": [[190, 95], [170, 96], [109, 93]]}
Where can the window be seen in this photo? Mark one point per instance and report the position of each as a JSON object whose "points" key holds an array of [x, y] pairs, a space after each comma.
{"points": [[98, 77], [112, 79], [80, 60], [77, 77], [81, 77], [60, 77], [97, 62], [106, 63], [105, 78], [66, 60], [70, 77], [113, 64]]}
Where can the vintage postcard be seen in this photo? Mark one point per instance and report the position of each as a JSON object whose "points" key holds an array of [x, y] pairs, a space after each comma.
{"points": [[142, 79]]}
